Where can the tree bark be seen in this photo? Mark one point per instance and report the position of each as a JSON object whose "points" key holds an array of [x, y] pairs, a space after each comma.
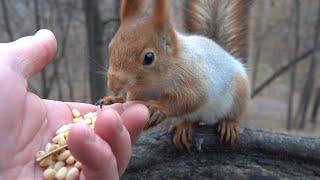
{"points": [[256, 155], [96, 49]]}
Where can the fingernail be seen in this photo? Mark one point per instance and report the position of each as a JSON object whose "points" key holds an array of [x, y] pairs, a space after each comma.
{"points": [[88, 133], [118, 121]]}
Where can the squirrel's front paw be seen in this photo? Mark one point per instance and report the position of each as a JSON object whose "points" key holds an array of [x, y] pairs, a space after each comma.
{"points": [[156, 116], [228, 130], [108, 100]]}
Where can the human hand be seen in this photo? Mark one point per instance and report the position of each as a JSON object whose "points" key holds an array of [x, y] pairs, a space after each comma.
{"points": [[28, 122]]}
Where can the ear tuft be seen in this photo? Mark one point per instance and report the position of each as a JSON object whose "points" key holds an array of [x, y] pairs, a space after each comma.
{"points": [[161, 13], [130, 8]]}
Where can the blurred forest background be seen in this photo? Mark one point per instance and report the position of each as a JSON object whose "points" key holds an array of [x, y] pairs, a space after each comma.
{"points": [[283, 62]]}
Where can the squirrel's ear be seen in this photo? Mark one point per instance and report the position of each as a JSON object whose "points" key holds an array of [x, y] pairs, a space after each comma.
{"points": [[161, 13], [130, 8]]}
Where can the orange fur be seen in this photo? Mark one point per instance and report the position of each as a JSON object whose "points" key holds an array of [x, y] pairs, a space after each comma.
{"points": [[161, 13], [166, 85], [156, 33], [174, 84], [241, 95], [224, 21], [130, 8]]}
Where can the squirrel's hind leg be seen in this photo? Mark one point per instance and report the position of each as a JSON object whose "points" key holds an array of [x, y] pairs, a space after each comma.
{"points": [[229, 130], [182, 135]]}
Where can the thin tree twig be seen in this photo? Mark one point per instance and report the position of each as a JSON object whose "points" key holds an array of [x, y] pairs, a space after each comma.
{"points": [[106, 22], [281, 71]]}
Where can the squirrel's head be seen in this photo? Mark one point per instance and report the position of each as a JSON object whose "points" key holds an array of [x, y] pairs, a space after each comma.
{"points": [[143, 48]]}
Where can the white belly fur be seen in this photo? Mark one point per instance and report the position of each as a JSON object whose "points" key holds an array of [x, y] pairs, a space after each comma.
{"points": [[220, 69]]}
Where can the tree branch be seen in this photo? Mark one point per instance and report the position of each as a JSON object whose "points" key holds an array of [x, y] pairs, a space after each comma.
{"points": [[257, 154], [281, 71], [106, 22]]}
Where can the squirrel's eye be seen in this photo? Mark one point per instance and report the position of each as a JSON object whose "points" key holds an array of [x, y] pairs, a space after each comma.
{"points": [[148, 59]]}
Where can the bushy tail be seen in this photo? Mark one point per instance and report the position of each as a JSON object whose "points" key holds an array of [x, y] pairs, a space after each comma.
{"points": [[224, 21]]}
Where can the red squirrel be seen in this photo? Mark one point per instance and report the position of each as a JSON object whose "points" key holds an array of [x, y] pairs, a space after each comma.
{"points": [[186, 78]]}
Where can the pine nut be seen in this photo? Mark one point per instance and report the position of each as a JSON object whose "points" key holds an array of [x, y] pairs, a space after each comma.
{"points": [[72, 174], [70, 160], [75, 113], [48, 147], [49, 173], [64, 155], [62, 141], [78, 165], [56, 158], [58, 165], [63, 129], [62, 173]]}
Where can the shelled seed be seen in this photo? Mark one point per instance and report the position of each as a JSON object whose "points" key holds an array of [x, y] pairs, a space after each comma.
{"points": [[64, 155], [56, 158], [62, 173], [59, 165], [49, 173], [78, 165], [76, 113], [70, 160], [72, 174]]}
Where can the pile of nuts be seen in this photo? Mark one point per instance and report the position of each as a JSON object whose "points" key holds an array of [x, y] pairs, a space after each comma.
{"points": [[56, 158]]}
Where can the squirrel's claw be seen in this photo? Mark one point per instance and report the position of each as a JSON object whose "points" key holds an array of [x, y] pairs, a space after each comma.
{"points": [[182, 135], [156, 117], [229, 131], [108, 100]]}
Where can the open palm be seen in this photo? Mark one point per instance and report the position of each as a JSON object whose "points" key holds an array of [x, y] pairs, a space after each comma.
{"points": [[27, 122]]}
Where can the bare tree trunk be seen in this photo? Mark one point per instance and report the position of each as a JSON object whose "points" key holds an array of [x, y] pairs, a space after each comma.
{"points": [[96, 49], [293, 70], [43, 71], [61, 54], [6, 19], [117, 12], [311, 74], [255, 155], [260, 29]]}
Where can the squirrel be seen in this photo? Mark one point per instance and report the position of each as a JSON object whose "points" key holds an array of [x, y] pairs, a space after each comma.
{"points": [[187, 78]]}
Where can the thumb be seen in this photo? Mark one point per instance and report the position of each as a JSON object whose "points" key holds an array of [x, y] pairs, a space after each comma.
{"points": [[94, 153], [32, 53]]}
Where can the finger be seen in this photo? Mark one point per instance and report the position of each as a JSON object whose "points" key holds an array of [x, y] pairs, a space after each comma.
{"points": [[94, 153], [32, 53], [111, 129], [134, 118]]}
